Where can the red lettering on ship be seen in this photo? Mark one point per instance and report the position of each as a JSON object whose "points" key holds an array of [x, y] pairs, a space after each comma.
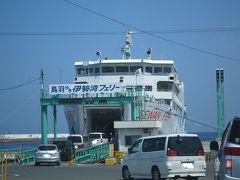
{"points": [[151, 115], [157, 115], [166, 116]]}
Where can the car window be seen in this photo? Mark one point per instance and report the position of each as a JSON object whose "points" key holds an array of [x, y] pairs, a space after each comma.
{"points": [[75, 139], [154, 144], [94, 136], [185, 146], [234, 134], [136, 146], [47, 148], [225, 133], [104, 136]]}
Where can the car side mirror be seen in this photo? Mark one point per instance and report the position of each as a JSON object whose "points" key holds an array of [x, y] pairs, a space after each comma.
{"points": [[214, 146]]}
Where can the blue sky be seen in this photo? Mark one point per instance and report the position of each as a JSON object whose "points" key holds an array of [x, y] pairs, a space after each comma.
{"points": [[23, 56]]}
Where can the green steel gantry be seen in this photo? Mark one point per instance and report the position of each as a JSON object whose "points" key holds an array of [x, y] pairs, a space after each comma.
{"points": [[220, 102], [136, 99]]}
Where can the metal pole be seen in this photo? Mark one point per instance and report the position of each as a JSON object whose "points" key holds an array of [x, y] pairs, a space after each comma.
{"points": [[220, 102], [44, 124], [222, 115], [44, 121], [55, 122]]}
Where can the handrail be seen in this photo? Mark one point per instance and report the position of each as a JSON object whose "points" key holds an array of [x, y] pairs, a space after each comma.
{"points": [[91, 154], [19, 155]]}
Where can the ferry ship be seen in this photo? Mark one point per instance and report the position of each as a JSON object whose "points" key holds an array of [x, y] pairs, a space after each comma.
{"points": [[127, 97]]}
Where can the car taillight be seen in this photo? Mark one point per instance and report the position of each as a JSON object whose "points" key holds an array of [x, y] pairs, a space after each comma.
{"points": [[81, 146], [234, 151], [200, 152], [171, 153], [229, 164]]}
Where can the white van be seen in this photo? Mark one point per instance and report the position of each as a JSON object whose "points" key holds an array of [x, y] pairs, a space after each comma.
{"points": [[165, 156], [98, 138], [79, 141]]}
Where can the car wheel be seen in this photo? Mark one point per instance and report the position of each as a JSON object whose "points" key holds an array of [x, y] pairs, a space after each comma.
{"points": [[156, 174], [37, 164], [58, 163], [125, 173]]}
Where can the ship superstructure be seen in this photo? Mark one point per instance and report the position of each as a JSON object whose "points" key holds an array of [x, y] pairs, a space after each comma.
{"points": [[154, 95]]}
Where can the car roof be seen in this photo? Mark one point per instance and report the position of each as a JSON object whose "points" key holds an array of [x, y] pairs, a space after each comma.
{"points": [[46, 145], [236, 118], [170, 135], [97, 133], [75, 135]]}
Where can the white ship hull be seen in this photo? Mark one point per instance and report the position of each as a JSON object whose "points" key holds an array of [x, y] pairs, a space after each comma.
{"points": [[155, 104]]}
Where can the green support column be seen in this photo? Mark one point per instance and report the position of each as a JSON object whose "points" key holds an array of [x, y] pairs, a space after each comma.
{"points": [[55, 122], [44, 124], [220, 102]]}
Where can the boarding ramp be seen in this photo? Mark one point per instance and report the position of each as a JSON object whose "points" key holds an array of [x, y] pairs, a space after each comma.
{"points": [[91, 154]]}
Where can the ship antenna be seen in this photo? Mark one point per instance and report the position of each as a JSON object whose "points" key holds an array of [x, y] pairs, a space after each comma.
{"points": [[126, 50]]}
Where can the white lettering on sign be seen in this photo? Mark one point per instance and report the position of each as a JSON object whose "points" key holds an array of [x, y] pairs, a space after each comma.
{"points": [[59, 89]]}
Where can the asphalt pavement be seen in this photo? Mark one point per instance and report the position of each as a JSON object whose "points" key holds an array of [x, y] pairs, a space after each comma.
{"points": [[74, 172]]}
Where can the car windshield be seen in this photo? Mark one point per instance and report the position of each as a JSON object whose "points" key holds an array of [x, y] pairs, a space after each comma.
{"points": [[47, 148], [234, 134], [185, 146], [94, 136], [75, 139]]}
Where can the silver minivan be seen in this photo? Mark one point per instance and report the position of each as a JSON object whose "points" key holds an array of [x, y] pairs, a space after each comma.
{"points": [[165, 156], [227, 163]]}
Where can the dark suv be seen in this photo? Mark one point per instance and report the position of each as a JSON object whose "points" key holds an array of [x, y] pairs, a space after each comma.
{"points": [[228, 160]]}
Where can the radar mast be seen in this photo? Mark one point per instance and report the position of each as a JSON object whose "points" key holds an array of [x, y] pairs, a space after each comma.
{"points": [[126, 49]]}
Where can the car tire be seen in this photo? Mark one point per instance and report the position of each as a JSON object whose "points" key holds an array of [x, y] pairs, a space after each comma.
{"points": [[156, 174], [37, 164], [192, 178], [125, 173]]}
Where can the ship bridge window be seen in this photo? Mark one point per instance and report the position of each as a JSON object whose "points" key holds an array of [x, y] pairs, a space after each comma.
{"points": [[157, 69], [148, 88], [122, 69], [164, 86], [81, 71], [90, 70], [108, 69], [135, 68], [167, 69], [167, 101], [97, 70], [148, 69]]}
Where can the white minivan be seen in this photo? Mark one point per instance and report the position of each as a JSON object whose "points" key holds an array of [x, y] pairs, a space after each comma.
{"points": [[165, 156], [98, 138]]}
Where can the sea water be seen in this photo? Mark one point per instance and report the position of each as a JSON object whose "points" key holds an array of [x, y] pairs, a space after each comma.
{"points": [[207, 136], [19, 145]]}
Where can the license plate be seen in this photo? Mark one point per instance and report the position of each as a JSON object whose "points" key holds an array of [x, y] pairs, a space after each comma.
{"points": [[187, 165], [46, 155]]}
